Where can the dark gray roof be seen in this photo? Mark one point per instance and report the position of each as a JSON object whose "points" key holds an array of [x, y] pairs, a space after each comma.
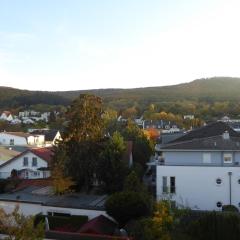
{"points": [[74, 200], [210, 130], [169, 137], [209, 143], [49, 134]]}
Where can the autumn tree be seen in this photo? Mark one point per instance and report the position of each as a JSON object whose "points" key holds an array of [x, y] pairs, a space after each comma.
{"points": [[20, 227], [156, 227], [83, 139], [61, 182], [129, 113], [142, 146]]}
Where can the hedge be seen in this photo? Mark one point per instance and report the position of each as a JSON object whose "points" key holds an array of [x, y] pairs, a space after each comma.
{"points": [[208, 225], [81, 236], [229, 208], [72, 223]]}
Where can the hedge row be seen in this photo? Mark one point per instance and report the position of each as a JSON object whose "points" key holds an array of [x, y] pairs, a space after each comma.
{"points": [[80, 236], [72, 223], [208, 225]]}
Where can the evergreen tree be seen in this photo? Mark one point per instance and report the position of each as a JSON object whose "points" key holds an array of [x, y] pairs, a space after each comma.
{"points": [[112, 169], [83, 139]]}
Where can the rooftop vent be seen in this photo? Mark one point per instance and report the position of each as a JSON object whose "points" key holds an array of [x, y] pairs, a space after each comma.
{"points": [[226, 135]]}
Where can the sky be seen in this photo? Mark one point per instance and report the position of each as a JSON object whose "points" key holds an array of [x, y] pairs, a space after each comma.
{"points": [[89, 44]]}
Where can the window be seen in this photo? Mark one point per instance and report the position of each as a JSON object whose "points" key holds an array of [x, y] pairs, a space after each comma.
{"points": [[25, 161], [227, 157], [207, 158], [165, 190], [172, 185], [34, 162], [11, 142], [238, 181], [219, 181], [219, 204]]}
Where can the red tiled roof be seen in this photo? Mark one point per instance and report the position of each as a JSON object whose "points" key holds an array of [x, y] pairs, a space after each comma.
{"points": [[34, 182], [99, 225], [7, 113], [44, 153]]}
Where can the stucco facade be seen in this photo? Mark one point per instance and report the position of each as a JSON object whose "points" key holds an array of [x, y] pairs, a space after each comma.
{"points": [[200, 187]]}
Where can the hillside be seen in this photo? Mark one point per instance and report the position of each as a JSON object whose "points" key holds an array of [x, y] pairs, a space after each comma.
{"points": [[202, 90], [12, 97], [209, 90]]}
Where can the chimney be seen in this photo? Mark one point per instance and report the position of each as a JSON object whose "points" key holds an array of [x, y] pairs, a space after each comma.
{"points": [[225, 135]]}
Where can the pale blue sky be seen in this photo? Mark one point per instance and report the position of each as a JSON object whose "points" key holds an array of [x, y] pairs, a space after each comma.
{"points": [[82, 44]]}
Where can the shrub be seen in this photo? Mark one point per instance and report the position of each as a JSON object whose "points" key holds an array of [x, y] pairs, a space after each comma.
{"points": [[229, 208], [127, 205], [209, 225], [72, 222]]}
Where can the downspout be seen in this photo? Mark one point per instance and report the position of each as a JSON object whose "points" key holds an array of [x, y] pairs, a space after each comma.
{"points": [[230, 187]]}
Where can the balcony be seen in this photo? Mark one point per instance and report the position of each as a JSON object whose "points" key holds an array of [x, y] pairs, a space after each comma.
{"points": [[168, 190]]}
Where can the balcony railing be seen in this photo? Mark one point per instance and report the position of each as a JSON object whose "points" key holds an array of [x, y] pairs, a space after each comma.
{"points": [[167, 190]]}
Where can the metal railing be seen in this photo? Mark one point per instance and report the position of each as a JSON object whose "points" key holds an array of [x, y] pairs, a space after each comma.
{"points": [[167, 190]]}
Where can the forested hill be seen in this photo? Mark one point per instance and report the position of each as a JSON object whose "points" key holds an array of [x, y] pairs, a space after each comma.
{"points": [[213, 89], [202, 90], [12, 97]]}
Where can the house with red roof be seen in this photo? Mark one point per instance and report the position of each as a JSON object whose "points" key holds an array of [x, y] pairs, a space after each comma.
{"points": [[31, 164]]}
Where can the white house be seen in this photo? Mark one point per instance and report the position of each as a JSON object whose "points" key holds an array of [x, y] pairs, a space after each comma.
{"points": [[30, 164], [51, 136], [16, 121], [20, 138], [201, 169], [7, 116], [45, 116], [27, 120], [190, 117]]}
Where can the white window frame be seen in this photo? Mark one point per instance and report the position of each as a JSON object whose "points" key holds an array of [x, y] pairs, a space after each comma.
{"points": [[228, 156], [27, 161], [34, 165], [207, 158]]}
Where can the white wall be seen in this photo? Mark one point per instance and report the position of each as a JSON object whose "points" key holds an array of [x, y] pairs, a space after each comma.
{"points": [[18, 165], [196, 186], [36, 140], [28, 209], [5, 139]]}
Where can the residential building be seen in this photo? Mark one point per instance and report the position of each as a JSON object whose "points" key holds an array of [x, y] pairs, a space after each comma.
{"points": [[201, 169], [6, 116], [190, 117], [21, 139], [36, 197], [51, 136], [8, 152], [30, 164], [160, 125]]}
